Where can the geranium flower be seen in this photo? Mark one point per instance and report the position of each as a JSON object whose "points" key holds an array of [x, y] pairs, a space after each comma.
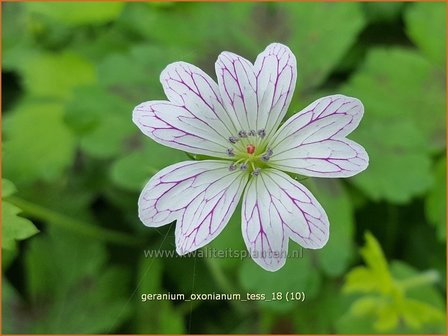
{"points": [[237, 122]]}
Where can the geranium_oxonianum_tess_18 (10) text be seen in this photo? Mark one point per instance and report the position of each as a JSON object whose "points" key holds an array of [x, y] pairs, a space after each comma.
{"points": [[236, 122]]}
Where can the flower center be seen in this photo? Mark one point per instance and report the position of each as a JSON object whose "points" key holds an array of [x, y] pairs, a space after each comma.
{"points": [[248, 151]]}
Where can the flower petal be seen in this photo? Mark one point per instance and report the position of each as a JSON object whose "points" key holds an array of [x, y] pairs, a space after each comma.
{"points": [[276, 72], [313, 143], [200, 195], [276, 208], [194, 120], [187, 85], [175, 126], [237, 84], [257, 96]]}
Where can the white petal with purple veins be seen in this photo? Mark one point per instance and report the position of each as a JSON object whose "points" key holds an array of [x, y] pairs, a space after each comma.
{"points": [[276, 72], [200, 195], [257, 95], [175, 126], [276, 208], [313, 142], [237, 84], [187, 85]]}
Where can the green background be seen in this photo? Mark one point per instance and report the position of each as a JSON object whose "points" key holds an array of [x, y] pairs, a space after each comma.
{"points": [[74, 164]]}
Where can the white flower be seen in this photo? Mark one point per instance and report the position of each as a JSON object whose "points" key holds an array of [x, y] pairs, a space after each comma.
{"points": [[236, 121]]}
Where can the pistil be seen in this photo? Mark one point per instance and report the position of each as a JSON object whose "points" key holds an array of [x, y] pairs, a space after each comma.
{"points": [[250, 149]]}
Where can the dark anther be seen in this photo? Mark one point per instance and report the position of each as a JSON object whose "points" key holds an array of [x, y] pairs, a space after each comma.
{"points": [[230, 152], [267, 155], [242, 134], [256, 172], [233, 139]]}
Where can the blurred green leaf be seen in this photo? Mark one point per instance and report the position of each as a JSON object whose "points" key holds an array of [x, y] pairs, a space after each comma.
{"points": [[89, 106], [401, 122], [324, 33], [427, 293], [38, 145], [352, 324], [132, 171], [14, 227], [435, 203], [109, 40], [335, 257], [155, 316], [77, 13], [14, 35], [374, 277], [398, 84], [11, 299], [102, 119], [388, 296], [399, 167], [318, 316], [134, 76], [189, 25], [8, 188], [298, 274], [76, 290], [109, 138], [426, 26], [230, 239], [52, 280], [8, 257], [382, 11], [55, 75]]}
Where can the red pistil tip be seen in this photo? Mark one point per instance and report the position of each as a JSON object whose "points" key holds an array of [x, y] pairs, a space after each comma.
{"points": [[250, 149]]}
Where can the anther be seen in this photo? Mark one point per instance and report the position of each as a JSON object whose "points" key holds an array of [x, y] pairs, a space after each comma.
{"points": [[230, 152], [256, 172], [267, 155], [233, 139], [261, 133], [232, 167], [242, 134], [252, 133], [243, 166]]}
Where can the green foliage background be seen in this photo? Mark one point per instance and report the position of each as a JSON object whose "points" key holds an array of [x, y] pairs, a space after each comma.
{"points": [[74, 164]]}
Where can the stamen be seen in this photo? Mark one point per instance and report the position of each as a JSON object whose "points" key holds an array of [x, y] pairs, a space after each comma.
{"points": [[243, 166], [267, 155], [261, 133], [242, 134], [256, 172], [232, 167], [252, 133], [230, 152], [233, 139]]}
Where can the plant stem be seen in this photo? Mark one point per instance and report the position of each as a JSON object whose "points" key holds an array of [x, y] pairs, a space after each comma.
{"points": [[428, 277], [54, 218]]}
